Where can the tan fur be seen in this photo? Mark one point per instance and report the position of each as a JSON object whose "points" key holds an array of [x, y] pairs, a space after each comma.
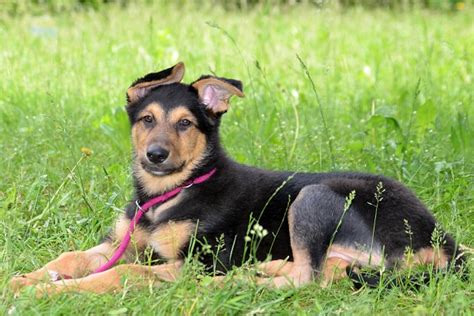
{"points": [[74, 264], [227, 89], [180, 113], [334, 269], [139, 238], [170, 238], [302, 271], [141, 136], [298, 272], [115, 279], [276, 267], [339, 257], [187, 147], [199, 85], [354, 256], [427, 256]]}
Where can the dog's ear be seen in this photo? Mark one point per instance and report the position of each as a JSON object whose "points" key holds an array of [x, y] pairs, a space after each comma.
{"points": [[141, 86], [215, 92]]}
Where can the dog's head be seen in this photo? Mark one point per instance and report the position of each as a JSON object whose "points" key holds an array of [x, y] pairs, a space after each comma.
{"points": [[175, 125]]}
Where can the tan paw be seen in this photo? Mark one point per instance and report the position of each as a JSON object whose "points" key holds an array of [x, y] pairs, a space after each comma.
{"points": [[21, 281]]}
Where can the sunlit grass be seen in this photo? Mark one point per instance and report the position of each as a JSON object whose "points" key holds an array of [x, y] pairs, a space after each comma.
{"points": [[396, 90]]}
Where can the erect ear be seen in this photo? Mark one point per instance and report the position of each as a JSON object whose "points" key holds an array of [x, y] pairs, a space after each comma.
{"points": [[215, 92], [141, 86]]}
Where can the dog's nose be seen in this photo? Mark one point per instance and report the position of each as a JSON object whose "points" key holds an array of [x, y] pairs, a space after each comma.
{"points": [[157, 154]]}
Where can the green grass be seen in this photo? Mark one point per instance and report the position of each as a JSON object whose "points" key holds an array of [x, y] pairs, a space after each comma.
{"points": [[396, 91]]}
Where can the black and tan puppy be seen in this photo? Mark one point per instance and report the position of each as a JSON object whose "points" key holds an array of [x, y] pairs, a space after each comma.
{"points": [[302, 220]]}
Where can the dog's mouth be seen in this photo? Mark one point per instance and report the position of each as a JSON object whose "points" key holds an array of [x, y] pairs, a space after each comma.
{"points": [[161, 171]]}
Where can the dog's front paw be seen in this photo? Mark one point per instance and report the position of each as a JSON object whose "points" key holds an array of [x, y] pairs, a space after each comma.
{"points": [[20, 281]]}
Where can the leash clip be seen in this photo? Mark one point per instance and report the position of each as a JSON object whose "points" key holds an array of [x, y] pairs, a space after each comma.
{"points": [[138, 205], [187, 186]]}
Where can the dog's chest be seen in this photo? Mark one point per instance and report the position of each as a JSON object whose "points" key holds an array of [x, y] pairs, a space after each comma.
{"points": [[170, 239]]}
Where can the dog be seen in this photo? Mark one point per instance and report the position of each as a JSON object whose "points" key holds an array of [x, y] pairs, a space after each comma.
{"points": [[302, 226]]}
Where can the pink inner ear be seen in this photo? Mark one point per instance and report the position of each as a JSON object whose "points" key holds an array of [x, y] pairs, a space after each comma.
{"points": [[140, 92], [210, 98]]}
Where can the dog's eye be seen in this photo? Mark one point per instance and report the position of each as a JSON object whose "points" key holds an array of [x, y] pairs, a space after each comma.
{"points": [[147, 119], [184, 123]]}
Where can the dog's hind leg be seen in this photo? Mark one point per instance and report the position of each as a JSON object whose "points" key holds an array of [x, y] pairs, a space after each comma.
{"points": [[306, 237], [115, 279], [319, 243]]}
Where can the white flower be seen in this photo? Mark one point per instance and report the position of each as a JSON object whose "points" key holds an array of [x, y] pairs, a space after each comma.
{"points": [[367, 71]]}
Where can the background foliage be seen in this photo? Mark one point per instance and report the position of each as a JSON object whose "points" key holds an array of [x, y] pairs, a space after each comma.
{"points": [[394, 86], [55, 6]]}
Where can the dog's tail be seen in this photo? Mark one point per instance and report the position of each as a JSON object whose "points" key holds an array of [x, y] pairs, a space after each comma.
{"points": [[390, 278]]}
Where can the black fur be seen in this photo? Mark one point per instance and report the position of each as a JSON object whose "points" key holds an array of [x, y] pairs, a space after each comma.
{"points": [[154, 76], [223, 206]]}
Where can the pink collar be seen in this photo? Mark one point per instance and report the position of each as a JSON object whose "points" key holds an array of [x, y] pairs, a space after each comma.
{"points": [[142, 210]]}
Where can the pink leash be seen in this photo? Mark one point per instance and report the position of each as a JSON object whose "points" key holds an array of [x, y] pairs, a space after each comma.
{"points": [[142, 210]]}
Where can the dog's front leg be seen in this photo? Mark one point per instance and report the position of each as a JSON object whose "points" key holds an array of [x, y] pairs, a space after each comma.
{"points": [[69, 265], [115, 279]]}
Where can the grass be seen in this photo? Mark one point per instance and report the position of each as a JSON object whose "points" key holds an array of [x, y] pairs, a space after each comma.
{"points": [[395, 91]]}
